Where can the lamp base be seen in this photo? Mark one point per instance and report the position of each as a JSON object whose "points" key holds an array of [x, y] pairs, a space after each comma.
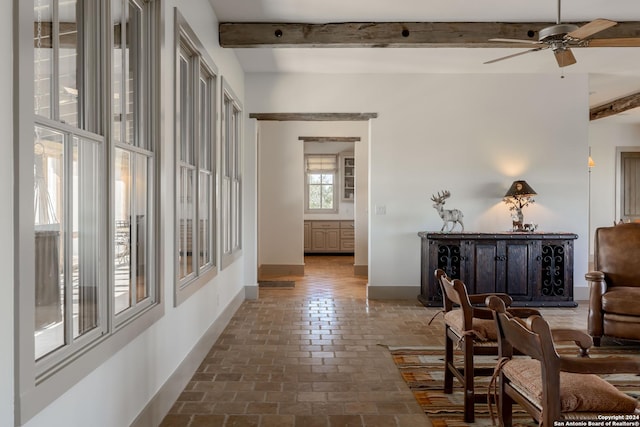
{"points": [[524, 228]]}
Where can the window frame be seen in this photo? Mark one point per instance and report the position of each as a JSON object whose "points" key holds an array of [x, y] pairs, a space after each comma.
{"points": [[231, 169], [39, 383], [200, 64], [334, 172]]}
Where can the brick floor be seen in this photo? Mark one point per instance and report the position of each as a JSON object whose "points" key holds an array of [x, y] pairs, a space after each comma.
{"points": [[312, 356]]}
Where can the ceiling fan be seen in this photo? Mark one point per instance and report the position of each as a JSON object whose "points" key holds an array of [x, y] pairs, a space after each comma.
{"points": [[560, 38]]}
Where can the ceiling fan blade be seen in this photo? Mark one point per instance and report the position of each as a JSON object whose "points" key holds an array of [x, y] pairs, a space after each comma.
{"points": [[620, 42], [514, 55], [515, 41], [590, 28], [564, 57]]}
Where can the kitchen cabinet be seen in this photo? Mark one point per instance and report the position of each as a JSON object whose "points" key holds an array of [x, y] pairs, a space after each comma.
{"points": [[535, 269], [331, 236], [348, 168]]}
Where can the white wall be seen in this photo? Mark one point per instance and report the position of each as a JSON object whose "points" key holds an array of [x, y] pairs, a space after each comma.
{"points": [[281, 186], [470, 134], [606, 137], [116, 392], [6, 218]]}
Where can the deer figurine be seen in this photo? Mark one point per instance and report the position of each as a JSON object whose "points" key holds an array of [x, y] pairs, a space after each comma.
{"points": [[449, 216]]}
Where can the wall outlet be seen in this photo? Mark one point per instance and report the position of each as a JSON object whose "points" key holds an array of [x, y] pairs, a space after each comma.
{"points": [[381, 210]]}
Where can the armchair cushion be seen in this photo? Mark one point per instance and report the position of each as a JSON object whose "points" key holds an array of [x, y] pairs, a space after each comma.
{"points": [[622, 300], [485, 329], [578, 392]]}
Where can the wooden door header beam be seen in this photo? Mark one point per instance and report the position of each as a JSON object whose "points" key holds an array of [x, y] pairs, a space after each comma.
{"points": [[314, 117], [393, 34], [329, 138], [615, 107]]}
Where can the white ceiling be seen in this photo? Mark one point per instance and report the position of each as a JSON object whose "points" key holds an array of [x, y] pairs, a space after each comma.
{"points": [[613, 72]]}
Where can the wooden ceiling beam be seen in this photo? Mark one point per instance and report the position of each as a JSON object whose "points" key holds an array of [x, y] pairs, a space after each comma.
{"points": [[615, 107], [393, 34]]}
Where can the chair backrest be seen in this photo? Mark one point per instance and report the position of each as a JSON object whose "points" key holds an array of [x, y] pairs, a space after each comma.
{"points": [[617, 254], [453, 291], [531, 336]]}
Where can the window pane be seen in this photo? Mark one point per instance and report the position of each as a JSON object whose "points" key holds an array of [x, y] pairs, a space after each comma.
{"points": [[132, 59], [226, 215], [117, 78], [49, 244], [205, 124], [327, 179], [205, 229], [186, 189], [142, 234], [43, 57], [85, 235], [122, 229], [67, 56], [131, 236], [327, 196], [185, 109], [315, 178]]}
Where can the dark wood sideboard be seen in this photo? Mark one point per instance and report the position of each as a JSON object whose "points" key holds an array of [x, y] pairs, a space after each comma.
{"points": [[535, 269]]}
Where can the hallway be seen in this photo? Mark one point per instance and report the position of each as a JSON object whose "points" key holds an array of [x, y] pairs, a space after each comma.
{"points": [[309, 356]]}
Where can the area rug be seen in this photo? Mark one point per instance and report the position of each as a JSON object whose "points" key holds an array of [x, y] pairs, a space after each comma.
{"points": [[276, 284], [422, 368]]}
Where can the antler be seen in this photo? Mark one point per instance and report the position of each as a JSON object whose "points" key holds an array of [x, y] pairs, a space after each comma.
{"points": [[445, 195]]}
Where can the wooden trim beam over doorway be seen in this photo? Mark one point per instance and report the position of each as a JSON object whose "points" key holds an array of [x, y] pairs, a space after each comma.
{"points": [[329, 138], [314, 117]]}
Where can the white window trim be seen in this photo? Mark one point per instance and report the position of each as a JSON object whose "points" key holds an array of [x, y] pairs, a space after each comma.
{"points": [[36, 389], [229, 227], [201, 275]]}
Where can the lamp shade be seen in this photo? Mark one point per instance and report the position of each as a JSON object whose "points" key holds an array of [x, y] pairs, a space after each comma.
{"points": [[520, 189]]}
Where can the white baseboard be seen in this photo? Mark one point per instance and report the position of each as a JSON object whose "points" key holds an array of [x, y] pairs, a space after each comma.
{"points": [[161, 403], [393, 292]]}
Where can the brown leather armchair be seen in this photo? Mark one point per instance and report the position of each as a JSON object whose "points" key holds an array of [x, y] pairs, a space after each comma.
{"points": [[614, 295]]}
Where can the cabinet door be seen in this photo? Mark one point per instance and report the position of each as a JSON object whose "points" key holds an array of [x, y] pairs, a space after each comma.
{"points": [[307, 236], [318, 240], [446, 255], [520, 266], [556, 270], [483, 266], [332, 240]]}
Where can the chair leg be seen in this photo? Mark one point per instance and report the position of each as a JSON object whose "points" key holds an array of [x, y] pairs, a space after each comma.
{"points": [[505, 406], [469, 394], [596, 341], [448, 361]]}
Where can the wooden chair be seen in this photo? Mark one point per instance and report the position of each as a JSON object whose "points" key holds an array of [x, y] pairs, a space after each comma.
{"points": [[552, 387], [474, 329]]}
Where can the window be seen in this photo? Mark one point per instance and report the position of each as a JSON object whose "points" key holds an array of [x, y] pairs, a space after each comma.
{"points": [[195, 156], [630, 185], [231, 190], [320, 183], [86, 203]]}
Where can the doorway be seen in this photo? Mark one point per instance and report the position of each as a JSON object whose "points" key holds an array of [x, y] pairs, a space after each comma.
{"points": [[281, 191]]}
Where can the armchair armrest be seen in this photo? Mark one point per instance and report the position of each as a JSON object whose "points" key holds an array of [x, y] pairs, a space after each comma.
{"points": [[603, 365], [480, 298], [594, 276], [582, 339], [523, 312], [597, 288]]}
